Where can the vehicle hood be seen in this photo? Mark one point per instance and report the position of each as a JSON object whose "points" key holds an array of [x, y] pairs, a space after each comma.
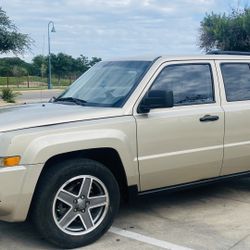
{"points": [[34, 115]]}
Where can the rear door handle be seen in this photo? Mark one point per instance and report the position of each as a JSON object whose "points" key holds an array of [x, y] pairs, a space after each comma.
{"points": [[209, 118]]}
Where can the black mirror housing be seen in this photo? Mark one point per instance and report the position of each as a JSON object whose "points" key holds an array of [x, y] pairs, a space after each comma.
{"points": [[156, 99]]}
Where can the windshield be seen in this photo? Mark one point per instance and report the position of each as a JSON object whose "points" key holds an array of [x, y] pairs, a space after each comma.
{"points": [[107, 84]]}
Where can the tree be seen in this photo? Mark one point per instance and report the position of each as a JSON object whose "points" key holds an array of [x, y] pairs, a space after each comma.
{"points": [[82, 63], [94, 60], [226, 32], [62, 65], [8, 63], [39, 64], [43, 70], [10, 39], [18, 71]]}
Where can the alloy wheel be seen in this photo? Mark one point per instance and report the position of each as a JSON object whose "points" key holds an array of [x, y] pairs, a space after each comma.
{"points": [[80, 205]]}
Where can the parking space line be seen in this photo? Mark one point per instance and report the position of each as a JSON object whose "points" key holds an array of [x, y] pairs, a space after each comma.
{"points": [[146, 239]]}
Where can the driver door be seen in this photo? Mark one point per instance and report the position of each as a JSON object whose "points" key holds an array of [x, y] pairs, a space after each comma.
{"points": [[179, 145]]}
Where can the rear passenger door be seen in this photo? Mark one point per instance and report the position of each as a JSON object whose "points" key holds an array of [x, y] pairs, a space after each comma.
{"points": [[181, 144], [235, 94]]}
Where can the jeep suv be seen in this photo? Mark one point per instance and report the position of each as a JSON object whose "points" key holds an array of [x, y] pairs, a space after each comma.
{"points": [[125, 127]]}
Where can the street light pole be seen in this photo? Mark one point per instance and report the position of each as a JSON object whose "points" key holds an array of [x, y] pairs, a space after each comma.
{"points": [[49, 63]]}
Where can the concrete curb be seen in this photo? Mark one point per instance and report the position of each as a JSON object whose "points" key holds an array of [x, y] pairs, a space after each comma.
{"points": [[34, 101]]}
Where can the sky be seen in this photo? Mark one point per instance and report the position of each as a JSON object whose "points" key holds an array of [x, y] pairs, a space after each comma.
{"points": [[114, 28]]}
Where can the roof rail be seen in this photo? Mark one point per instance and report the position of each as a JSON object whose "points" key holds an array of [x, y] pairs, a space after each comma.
{"points": [[219, 52]]}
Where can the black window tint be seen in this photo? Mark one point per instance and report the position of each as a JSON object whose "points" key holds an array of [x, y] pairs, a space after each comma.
{"points": [[191, 83], [236, 78]]}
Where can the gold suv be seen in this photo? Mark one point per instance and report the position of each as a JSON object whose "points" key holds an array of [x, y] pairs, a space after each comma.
{"points": [[125, 127]]}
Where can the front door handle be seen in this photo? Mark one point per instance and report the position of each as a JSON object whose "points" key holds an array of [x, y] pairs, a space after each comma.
{"points": [[209, 118]]}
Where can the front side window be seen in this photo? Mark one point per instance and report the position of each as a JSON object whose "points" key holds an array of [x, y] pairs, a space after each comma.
{"points": [[107, 84], [191, 83], [236, 77]]}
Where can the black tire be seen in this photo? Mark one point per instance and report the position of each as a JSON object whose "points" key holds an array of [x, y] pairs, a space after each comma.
{"points": [[48, 186]]}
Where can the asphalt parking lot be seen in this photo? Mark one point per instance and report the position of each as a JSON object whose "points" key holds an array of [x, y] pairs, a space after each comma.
{"points": [[212, 217]]}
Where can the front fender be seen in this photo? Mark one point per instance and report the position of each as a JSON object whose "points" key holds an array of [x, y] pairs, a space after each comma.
{"points": [[43, 148], [38, 145]]}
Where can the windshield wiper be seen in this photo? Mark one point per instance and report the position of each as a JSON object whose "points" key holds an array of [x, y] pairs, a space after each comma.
{"points": [[71, 99]]}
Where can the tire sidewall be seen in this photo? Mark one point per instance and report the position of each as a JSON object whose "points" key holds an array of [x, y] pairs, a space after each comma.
{"points": [[69, 170]]}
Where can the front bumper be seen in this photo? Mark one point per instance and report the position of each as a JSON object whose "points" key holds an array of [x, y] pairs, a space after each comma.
{"points": [[11, 182]]}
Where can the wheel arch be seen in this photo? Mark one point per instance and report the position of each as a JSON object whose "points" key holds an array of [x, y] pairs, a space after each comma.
{"points": [[107, 156]]}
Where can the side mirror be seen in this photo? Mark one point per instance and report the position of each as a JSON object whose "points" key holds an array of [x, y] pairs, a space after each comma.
{"points": [[156, 99]]}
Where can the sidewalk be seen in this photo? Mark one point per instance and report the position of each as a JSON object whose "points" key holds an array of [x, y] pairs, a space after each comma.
{"points": [[33, 96]]}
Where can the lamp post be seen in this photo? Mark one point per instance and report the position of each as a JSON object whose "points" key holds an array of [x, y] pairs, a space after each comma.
{"points": [[52, 30]]}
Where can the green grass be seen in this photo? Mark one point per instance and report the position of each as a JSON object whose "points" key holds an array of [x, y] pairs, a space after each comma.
{"points": [[35, 82], [8, 95], [33, 88]]}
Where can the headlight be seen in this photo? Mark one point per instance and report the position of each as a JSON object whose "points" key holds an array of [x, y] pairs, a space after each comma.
{"points": [[10, 161]]}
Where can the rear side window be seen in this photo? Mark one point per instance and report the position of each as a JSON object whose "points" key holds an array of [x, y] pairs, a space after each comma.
{"points": [[236, 77], [191, 83]]}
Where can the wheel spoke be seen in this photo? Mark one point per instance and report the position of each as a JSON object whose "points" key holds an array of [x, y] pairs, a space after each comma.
{"points": [[68, 218], [86, 186], [66, 197], [80, 205], [87, 220], [97, 201]]}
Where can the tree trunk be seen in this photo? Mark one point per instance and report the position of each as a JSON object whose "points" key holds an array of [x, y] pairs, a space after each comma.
{"points": [[7, 81], [59, 80], [28, 80]]}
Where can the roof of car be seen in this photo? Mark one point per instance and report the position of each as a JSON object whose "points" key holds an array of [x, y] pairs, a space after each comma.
{"points": [[184, 57], [206, 57]]}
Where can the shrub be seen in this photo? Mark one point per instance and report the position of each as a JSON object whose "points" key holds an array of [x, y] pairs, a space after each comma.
{"points": [[8, 95]]}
